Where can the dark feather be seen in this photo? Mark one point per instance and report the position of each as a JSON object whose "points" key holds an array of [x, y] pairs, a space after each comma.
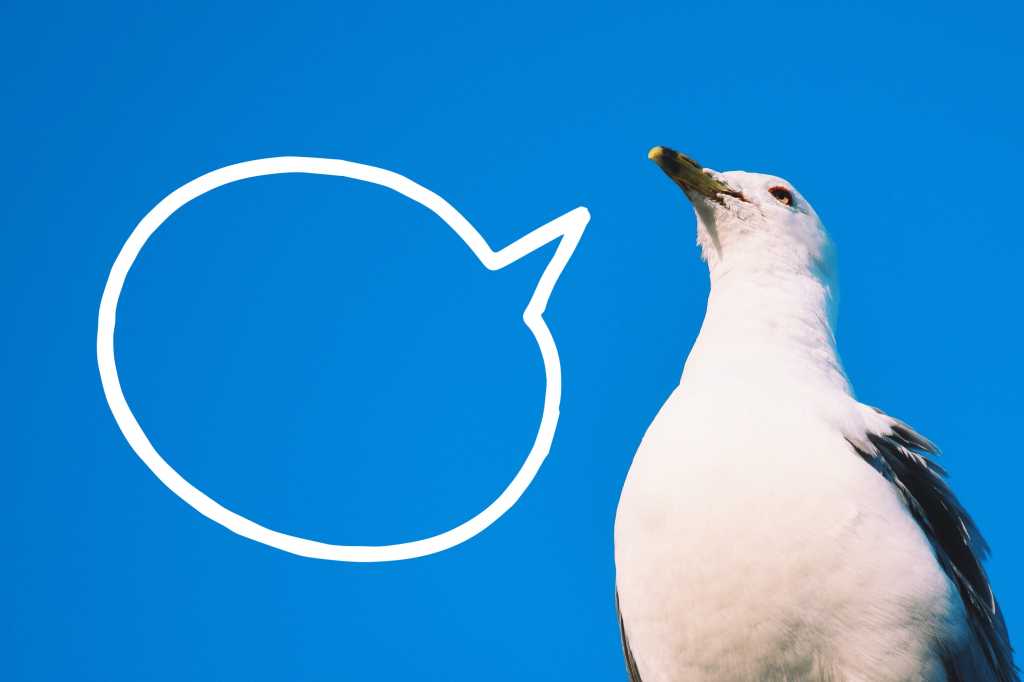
{"points": [[904, 457], [631, 671]]}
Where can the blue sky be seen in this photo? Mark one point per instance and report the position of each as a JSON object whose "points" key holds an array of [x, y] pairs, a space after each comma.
{"points": [[286, 342]]}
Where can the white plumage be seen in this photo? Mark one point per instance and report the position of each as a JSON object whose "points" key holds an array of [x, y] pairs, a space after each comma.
{"points": [[771, 526]]}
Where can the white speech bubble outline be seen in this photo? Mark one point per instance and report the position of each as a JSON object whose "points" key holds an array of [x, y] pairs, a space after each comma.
{"points": [[569, 227]]}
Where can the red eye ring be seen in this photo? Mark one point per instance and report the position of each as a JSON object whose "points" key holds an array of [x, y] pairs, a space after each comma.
{"points": [[783, 195]]}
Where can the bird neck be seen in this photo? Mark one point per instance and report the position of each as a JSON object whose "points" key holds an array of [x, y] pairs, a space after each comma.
{"points": [[769, 328]]}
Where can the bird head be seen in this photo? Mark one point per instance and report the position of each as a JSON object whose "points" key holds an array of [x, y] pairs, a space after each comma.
{"points": [[749, 221]]}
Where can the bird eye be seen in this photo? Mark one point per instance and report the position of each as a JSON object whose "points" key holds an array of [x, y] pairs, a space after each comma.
{"points": [[783, 195]]}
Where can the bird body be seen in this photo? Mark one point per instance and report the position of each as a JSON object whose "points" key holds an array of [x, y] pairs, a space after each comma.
{"points": [[771, 526], [753, 543]]}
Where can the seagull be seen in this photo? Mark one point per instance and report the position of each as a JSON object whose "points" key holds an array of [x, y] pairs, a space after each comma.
{"points": [[772, 527]]}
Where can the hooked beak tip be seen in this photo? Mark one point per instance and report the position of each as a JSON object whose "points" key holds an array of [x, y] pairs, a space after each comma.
{"points": [[656, 153]]}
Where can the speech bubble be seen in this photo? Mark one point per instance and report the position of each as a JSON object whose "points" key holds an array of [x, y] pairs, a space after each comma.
{"points": [[567, 228]]}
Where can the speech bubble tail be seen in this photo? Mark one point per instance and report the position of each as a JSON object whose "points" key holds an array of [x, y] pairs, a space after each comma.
{"points": [[568, 228]]}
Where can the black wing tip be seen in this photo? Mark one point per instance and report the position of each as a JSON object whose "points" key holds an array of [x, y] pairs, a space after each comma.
{"points": [[909, 438]]}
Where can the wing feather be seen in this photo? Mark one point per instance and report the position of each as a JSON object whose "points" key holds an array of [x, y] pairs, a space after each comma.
{"points": [[905, 459], [631, 671]]}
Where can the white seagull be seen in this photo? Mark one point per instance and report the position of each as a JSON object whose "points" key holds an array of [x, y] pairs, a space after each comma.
{"points": [[771, 526]]}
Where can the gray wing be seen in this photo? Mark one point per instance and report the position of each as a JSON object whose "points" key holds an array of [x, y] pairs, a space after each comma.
{"points": [[631, 671], [904, 457]]}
